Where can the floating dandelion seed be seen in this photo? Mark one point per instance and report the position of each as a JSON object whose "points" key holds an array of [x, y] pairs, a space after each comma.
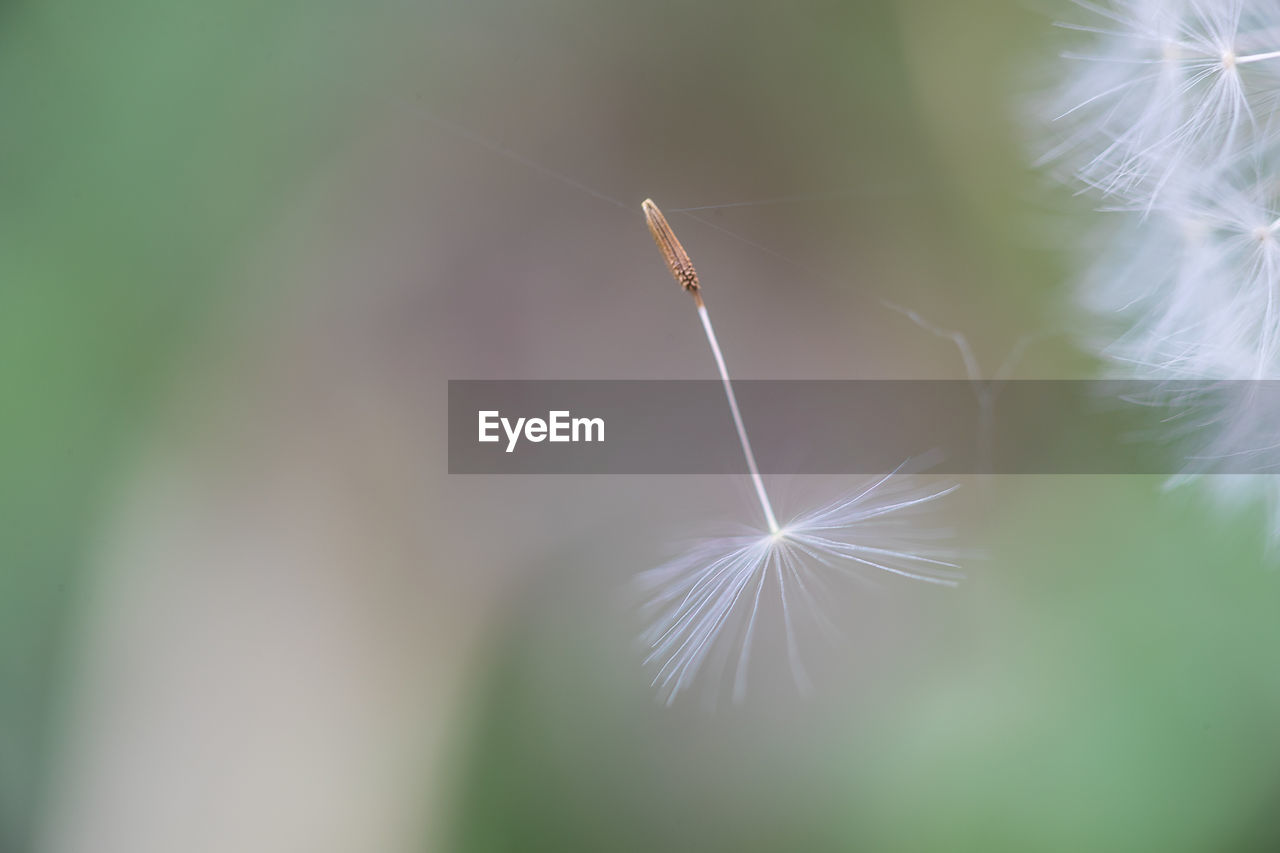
{"points": [[706, 604]]}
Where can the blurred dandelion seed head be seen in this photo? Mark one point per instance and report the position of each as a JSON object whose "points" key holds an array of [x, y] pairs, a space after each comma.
{"points": [[1168, 115], [1163, 88]]}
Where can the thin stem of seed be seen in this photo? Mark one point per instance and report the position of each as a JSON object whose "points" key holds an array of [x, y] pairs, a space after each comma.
{"points": [[737, 422], [1256, 57], [684, 273]]}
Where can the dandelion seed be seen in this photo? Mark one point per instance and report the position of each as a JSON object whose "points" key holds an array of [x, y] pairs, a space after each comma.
{"points": [[1168, 88], [706, 605]]}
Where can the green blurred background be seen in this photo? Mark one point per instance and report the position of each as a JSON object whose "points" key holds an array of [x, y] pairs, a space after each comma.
{"points": [[244, 607]]}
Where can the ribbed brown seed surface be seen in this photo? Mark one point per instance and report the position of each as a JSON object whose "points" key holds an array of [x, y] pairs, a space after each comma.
{"points": [[677, 258]]}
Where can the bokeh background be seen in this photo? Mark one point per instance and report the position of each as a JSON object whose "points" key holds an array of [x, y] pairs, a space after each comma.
{"points": [[243, 606]]}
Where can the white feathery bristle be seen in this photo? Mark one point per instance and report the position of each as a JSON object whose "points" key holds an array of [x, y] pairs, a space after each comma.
{"points": [[1162, 89], [705, 605]]}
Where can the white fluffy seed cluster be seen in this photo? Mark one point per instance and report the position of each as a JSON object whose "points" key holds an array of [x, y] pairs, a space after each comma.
{"points": [[1167, 115]]}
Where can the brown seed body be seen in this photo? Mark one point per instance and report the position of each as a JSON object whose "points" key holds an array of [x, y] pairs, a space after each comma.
{"points": [[677, 258]]}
